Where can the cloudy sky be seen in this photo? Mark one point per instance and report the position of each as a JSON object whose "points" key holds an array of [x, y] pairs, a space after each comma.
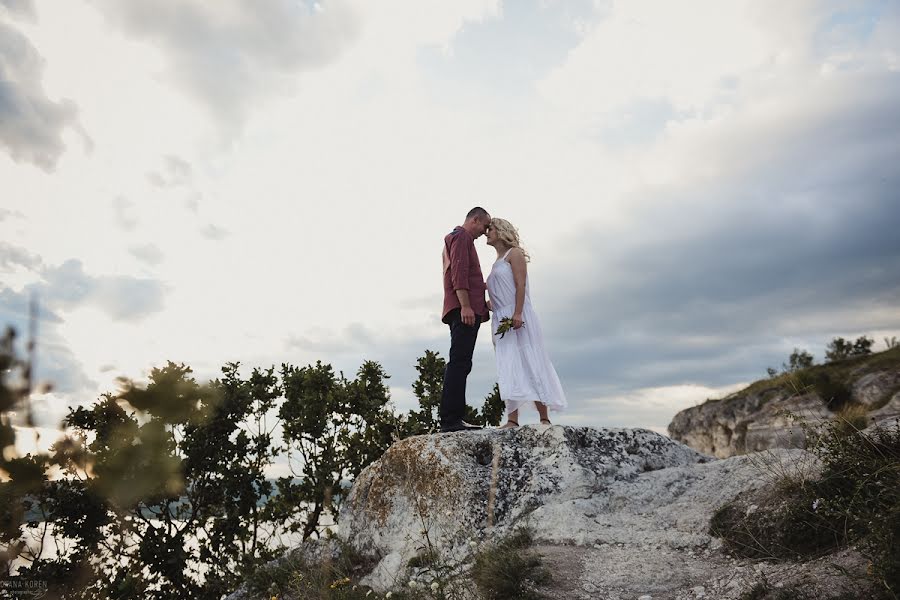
{"points": [[702, 185]]}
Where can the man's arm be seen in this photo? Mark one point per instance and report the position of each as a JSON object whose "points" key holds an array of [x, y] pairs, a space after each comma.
{"points": [[459, 276]]}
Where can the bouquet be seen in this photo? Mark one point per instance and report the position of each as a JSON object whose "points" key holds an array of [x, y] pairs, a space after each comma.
{"points": [[506, 323]]}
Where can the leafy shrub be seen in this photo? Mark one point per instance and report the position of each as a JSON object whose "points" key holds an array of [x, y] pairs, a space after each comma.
{"points": [[784, 529], [839, 348], [832, 388], [510, 569], [331, 577], [797, 361], [854, 501]]}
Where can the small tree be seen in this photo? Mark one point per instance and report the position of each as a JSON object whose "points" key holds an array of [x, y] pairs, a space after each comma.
{"points": [[797, 361], [315, 400], [371, 424], [839, 348], [862, 346], [333, 428], [162, 489], [494, 408], [427, 388]]}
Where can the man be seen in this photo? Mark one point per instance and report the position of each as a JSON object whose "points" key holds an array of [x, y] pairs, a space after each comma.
{"points": [[465, 308]]}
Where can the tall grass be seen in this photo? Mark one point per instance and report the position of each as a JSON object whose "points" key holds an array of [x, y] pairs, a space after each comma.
{"points": [[854, 500]]}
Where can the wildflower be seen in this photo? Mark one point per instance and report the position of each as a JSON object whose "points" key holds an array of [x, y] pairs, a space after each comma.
{"points": [[473, 544], [413, 584], [434, 586], [816, 503], [389, 594], [339, 583]]}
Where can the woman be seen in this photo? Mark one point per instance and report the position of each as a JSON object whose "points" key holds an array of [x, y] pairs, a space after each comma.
{"points": [[525, 373]]}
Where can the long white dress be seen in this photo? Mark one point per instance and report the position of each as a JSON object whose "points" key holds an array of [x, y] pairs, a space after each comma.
{"points": [[524, 371]]}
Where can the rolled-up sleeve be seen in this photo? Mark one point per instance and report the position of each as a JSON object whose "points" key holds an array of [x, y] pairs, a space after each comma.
{"points": [[459, 261]]}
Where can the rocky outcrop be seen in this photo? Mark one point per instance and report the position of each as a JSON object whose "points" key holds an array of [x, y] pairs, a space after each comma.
{"points": [[616, 513], [765, 415], [870, 389], [747, 422], [455, 488]]}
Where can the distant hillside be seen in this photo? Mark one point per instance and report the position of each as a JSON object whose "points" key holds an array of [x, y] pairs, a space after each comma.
{"points": [[755, 418]]}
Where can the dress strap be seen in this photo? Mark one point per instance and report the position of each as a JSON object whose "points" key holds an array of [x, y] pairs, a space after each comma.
{"points": [[507, 254]]}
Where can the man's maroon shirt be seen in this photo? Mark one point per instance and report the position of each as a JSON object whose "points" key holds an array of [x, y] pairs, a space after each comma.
{"points": [[462, 271]]}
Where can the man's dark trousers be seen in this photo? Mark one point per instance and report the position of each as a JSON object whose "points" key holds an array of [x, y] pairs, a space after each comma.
{"points": [[462, 346]]}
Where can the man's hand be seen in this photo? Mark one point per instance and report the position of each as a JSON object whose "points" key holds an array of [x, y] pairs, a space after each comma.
{"points": [[468, 315], [517, 320], [490, 306]]}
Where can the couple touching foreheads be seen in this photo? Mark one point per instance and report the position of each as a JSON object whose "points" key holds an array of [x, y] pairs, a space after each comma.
{"points": [[525, 374]]}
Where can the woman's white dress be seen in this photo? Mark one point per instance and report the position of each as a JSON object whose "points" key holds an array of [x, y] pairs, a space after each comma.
{"points": [[524, 371]]}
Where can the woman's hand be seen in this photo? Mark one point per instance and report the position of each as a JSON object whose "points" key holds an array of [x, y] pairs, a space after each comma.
{"points": [[517, 320]]}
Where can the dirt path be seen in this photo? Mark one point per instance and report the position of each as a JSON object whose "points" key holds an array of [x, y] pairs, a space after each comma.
{"points": [[622, 572], [619, 572]]}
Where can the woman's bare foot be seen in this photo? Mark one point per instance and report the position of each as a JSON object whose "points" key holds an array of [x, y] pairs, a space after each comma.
{"points": [[546, 422], [510, 425]]}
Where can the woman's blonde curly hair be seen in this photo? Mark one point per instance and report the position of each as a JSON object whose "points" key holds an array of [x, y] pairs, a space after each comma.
{"points": [[509, 235]]}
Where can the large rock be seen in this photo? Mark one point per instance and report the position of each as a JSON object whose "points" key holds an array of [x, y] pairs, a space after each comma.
{"points": [[765, 415], [747, 422], [871, 389], [888, 412], [616, 513], [456, 487]]}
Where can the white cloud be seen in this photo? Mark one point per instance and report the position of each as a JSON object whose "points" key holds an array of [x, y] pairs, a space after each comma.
{"points": [[232, 53], [319, 219], [31, 123], [688, 55], [643, 407]]}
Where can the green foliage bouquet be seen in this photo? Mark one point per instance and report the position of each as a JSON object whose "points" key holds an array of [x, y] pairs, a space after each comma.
{"points": [[506, 323]]}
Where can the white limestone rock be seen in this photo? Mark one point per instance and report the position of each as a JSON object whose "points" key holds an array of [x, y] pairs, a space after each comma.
{"points": [[616, 513], [462, 486], [871, 388], [757, 418]]}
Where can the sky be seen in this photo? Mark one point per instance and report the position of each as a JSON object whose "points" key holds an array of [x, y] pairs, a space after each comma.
{"points": [[702, 186]]}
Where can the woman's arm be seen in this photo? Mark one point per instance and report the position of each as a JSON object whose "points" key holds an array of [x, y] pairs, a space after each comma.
{"points": [[520, 272]]}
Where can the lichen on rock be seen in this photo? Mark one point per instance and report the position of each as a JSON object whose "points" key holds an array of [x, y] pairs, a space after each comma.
{"points": [[456, 487]]}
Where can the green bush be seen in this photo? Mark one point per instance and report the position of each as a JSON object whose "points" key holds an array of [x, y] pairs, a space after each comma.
{"points": [[784, 529], [510, 569], [855, 500], [834, 392], [332, 577], [841, 349]]}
